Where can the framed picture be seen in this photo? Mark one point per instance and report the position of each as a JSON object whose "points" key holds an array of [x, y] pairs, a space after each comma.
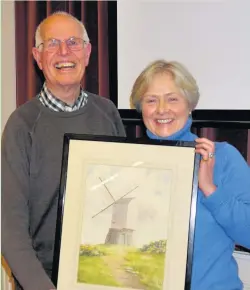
{"points": [[126, 214]]}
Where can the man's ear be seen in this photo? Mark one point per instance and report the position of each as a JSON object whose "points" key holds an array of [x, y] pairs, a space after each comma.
{"points": [[88, 49], [37, 56]]}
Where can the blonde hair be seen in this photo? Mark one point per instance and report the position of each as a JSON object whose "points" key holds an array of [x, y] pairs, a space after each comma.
{"points": [[181, 76], [38, 37]]}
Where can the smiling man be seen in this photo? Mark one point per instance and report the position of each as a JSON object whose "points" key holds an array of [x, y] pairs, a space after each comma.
{"points": [[32, 145], [62, 52]]}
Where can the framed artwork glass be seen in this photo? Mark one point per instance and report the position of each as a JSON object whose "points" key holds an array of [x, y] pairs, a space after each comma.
{"points": [[126, 214]]}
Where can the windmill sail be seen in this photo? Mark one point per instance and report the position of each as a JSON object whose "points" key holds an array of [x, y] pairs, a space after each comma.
{"points": [[119, 232]]}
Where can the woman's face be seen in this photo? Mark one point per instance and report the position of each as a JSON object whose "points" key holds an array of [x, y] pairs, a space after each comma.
{"points": [[164, 109]]}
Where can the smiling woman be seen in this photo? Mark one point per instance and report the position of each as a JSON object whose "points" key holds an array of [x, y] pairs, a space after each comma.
{"points": [[157, 102], [166, 93]]}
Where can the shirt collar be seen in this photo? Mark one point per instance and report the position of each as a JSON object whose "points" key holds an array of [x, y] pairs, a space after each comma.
{"points": [[52, 102]]}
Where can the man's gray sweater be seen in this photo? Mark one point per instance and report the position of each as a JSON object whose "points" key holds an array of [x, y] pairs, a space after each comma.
{"points": [[32, 145]]}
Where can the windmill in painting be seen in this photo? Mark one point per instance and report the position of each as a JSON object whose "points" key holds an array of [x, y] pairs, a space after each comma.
{"points": [[120, 231]]}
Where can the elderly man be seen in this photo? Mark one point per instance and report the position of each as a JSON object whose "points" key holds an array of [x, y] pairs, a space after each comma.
{"points": [[32, 148]]}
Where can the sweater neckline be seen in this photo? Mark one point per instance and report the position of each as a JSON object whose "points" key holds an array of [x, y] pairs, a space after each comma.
{"points": [[62, 114], [184, 134]]}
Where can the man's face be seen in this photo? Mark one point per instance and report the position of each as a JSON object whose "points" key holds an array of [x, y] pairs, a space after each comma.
{"points": [[62, 67]]}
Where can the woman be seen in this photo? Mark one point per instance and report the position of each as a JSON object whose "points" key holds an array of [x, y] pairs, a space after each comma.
{"points": [[166, 93]]}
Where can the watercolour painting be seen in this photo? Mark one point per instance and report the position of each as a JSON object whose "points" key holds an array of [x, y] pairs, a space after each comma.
{"points": [[126, 214], [124, 234]]}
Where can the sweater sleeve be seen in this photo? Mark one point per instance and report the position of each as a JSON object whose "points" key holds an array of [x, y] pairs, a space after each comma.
{"points": [[230, 203], [16, 241], [120, 130]]}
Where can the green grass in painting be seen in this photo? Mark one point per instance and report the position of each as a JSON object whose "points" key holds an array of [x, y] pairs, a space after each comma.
{"points": [[149, 267], [92, 270], [98, 264]]}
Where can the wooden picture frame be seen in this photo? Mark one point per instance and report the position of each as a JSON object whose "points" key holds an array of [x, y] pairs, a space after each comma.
{"points": [[126, 215]]}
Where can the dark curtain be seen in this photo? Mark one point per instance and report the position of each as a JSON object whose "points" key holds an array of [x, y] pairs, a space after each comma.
{"points": [[28, 14], [239, 138]]}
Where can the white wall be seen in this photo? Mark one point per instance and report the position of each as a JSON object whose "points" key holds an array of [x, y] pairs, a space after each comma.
{"points": [[210, 37], [8, 65], [243, 260], [8, 89]]}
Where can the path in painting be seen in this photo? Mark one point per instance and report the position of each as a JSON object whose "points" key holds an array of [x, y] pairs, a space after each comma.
{"points": [[124, 276]]}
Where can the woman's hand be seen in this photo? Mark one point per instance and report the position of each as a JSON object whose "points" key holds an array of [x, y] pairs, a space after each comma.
{"points": [[206, 149]]}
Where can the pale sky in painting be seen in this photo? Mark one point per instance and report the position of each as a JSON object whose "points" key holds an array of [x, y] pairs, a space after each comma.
{"points": [[147, 212]]}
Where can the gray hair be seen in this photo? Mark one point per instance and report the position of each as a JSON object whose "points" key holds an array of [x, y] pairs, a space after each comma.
{"points": [[181, 76], [38, 37]]}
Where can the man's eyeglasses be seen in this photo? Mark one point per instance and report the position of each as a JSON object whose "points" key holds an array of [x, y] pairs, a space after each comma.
{"points": [[53, 44]]}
